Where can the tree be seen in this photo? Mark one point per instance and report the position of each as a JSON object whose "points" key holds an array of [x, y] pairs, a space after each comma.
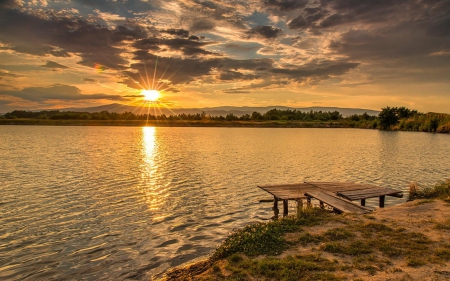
{"points": [[387, 118]]}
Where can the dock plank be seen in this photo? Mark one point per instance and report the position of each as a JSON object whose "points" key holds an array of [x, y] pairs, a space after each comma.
{"points": [[337, 203], [369, 193]]}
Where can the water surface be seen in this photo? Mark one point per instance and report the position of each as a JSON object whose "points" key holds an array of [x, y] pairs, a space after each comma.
{"points": [[116, 203]]}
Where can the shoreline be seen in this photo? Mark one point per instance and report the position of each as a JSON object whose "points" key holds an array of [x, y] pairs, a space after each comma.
{"points": [[172, 123], [409, 241]]}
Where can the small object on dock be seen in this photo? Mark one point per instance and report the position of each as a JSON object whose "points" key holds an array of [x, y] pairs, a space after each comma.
{"points": [[332, 191]]}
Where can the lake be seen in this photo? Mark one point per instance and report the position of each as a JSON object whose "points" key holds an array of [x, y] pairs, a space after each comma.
{"points": [[116, 203]]}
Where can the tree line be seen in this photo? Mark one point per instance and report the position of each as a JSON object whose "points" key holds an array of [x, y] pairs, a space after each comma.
{"points": [[390, 118], [273, 114]]}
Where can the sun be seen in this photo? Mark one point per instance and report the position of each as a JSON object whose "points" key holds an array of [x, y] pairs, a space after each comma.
{"points": [[151, 95]]}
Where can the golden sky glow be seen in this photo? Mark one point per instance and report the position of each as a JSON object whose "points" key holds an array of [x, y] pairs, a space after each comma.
{"points": [[342, 53]]}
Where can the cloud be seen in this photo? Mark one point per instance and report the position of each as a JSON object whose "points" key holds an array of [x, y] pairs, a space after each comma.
{"points": [[62, 35], [322, 70], [56, 92], [286, 5], [265, 31], [187, 46], [89, 80], [177, 32], [8, 74], [54, 65], [236, 76], [199, 25]]}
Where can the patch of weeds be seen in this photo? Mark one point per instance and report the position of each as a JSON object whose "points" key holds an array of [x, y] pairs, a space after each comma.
{"points": [[325, 277], [440, 190], [443, 253], [307, 238], [393, 242], [370, 217], [371, 228], [215, 268], [396, 269], [235, 258], [334, 247], [416, 262], [369, 263], [358, 247], [443, 225], [308, 267], [336, 234], [388, 248], [267, 238]]}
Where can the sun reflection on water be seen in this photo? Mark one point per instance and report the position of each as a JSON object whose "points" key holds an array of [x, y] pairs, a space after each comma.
{"points": [[151, 175]]}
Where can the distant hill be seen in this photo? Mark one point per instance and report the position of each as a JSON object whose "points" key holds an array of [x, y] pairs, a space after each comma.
{"points": [[216, 111]]}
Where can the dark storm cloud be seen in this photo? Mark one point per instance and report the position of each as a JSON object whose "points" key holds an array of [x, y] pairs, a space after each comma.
{"points": [[183, 71], [322, 70], [9, 4], [54, 65], [347, 11], [199, 25], [265, 31], [235, 75], [56, 92], [177, 32], [187, 46], [52, 34], [177, 70], [286, 5], [408, 38]]}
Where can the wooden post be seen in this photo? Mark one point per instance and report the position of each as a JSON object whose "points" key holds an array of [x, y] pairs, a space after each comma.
{"points": [[275, 207], [308, 201], [382, 201], [285, 208], [322, 206], [363, 202], [299, 205]]}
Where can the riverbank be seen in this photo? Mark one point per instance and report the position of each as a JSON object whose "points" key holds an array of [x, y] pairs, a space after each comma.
{"points": [[175, 123], [404, 242]]}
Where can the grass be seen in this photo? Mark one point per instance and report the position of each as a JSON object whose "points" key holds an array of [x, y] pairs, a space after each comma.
{"points": [[445, 225], [440, 190], [267, 238], [298, 267]]}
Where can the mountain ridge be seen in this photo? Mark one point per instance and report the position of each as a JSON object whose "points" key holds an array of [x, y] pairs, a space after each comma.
{"points": [[216, 111]]}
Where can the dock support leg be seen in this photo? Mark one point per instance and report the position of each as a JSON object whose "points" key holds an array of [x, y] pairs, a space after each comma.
{"points": [[299, 206], [308, 201], [382, 201], [322, 206], [285, 208], [363, 202], [275, 208]]}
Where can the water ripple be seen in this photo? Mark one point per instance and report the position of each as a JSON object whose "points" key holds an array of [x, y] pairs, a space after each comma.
{"points": [[112, 203]]}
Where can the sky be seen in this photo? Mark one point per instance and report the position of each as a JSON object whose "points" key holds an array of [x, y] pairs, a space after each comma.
{"points": [[207, 53]]}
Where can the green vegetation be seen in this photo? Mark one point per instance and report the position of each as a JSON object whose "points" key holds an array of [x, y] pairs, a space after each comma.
{"points": [[334, 246], [404, 119], [440, 190], [267, 238], [390, 118]]}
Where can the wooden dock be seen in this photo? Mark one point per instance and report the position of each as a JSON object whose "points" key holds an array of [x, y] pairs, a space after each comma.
{"points": [[335, 194]]}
